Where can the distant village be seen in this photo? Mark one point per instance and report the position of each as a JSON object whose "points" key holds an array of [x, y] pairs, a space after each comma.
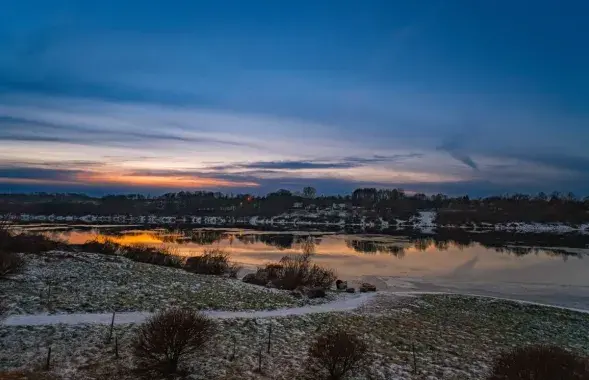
{"points": [[365, 208]]}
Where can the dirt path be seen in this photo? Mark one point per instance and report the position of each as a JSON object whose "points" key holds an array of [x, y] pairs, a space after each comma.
{"points": [[138, 317]]}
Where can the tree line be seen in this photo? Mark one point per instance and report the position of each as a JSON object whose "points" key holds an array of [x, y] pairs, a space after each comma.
{"points": [[387, 204]]}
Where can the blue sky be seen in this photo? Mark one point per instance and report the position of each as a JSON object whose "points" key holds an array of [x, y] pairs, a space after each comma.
{"points": [[473, 97]]}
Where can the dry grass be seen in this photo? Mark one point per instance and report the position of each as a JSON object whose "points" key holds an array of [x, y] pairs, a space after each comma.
{"points": [[540, 362], [26, 243], [150, 255], [102, 246]]}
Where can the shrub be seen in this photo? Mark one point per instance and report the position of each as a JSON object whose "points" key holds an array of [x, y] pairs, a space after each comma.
{"points": [[11, 263], [539, 363], [234, 270], [150, 255], [296, 271], [337, 354], [102, 246], [169, 337], [212, 261], [260, 277], [26, 243]]}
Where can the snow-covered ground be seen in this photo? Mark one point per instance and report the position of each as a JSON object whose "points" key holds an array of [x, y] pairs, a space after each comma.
{"points": [[350, 302], [554, 228], [446, 336], [75, 282]]}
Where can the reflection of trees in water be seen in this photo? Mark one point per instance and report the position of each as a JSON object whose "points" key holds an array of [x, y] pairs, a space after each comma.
{"points": [[523, 251], [281, 241], [207, 237], [246, 239], [307, 244], [422, 244], [372, 247], [442, 245], [501, 243]]}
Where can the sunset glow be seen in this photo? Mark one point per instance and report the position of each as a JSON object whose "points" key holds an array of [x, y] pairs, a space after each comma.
{"points": [[87, 105], [170, 181]]}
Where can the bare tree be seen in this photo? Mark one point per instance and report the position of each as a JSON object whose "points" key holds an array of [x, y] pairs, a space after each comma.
{"points": [[169, 337], [337, 354], [309, 192]]}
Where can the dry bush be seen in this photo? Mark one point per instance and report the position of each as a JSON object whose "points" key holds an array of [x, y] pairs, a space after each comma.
{"points": [[150, 255], [337, 354], [212, 261], [102, 246], [27, 243], [11, 263], [539, 363], [169, 337], [296, 271], [234, 270]]}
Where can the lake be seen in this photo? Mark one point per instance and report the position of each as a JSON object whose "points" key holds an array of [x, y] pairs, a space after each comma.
{"points": [[550, 273]]}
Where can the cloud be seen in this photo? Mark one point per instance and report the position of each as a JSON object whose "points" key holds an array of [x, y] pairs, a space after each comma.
{"points": [[464, 158], [455, 148], [95, 174], [561, 161], [54, 175], [343, 163], [20, 129]]}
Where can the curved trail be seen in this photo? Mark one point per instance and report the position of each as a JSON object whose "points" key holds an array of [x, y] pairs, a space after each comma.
{"points": [[138, 317], [339, 305]]}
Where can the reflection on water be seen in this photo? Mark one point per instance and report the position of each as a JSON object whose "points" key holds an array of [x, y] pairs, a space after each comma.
{"points": [[373, 255]]}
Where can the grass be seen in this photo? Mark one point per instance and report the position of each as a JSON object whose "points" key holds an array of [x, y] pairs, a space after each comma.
{"points": [[212, 261], [102, 246], [141, 253], [151, 255], [453, 337], [66, 282], [27, 243]]}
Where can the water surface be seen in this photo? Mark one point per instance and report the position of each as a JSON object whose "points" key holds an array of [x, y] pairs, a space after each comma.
{"points": [[550, 274]]}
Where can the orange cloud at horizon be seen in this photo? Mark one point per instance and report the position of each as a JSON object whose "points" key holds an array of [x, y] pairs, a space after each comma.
{"points": [[159, 180]]}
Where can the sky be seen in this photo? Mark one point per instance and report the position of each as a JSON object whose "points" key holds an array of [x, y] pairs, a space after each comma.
{"points": [[459, 97]]}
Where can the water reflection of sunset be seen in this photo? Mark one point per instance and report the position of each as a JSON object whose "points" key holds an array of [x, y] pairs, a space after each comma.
{"points": [[356, 255]]}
